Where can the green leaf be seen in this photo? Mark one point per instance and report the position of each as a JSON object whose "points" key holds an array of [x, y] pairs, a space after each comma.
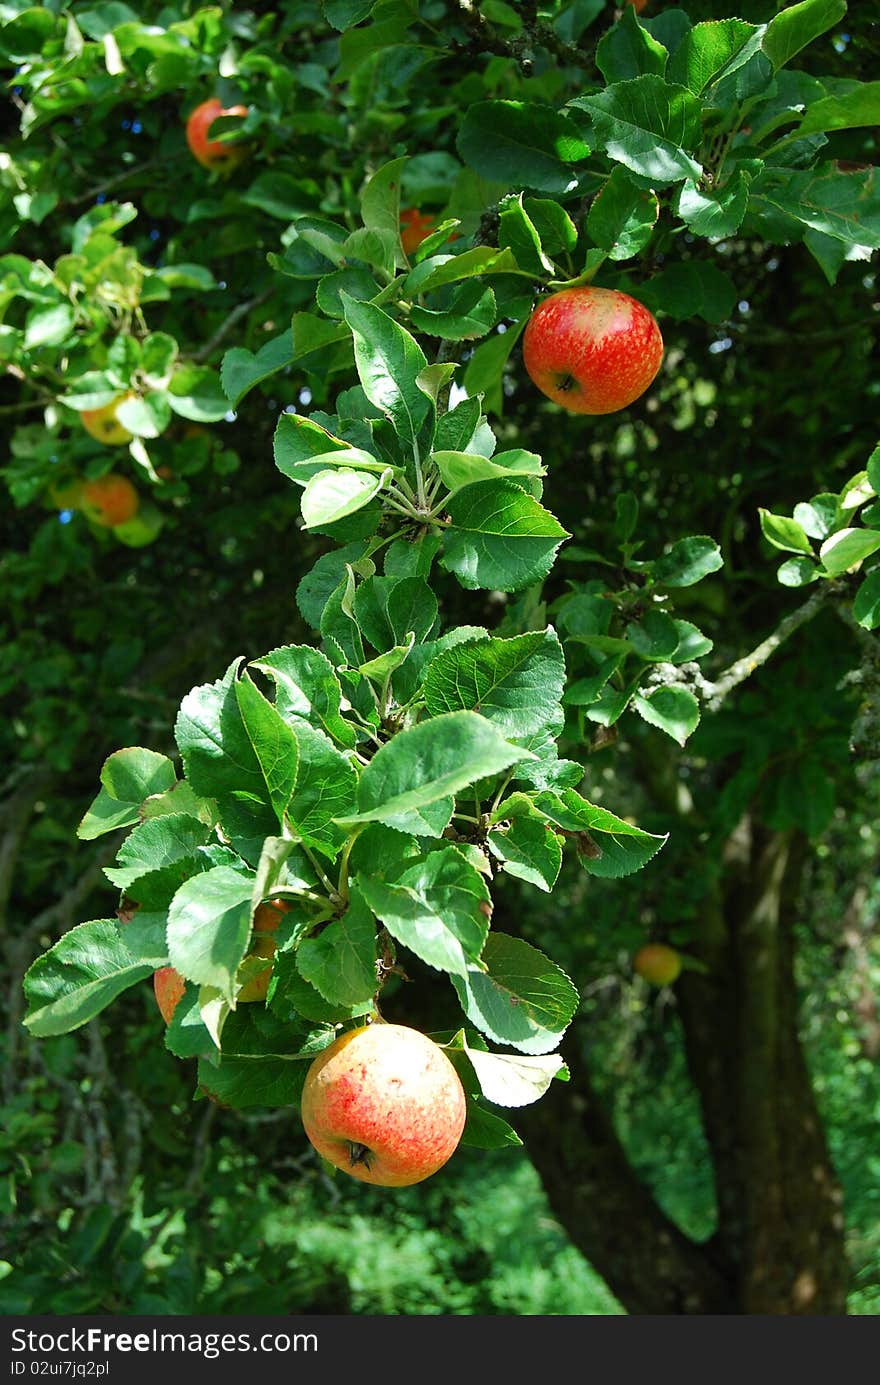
{"points": [[784, 533], [388, 361], [692, 643], [380, 200], [714, 214], [326, 784], [708, 51], [798, 25], [649, 125], [157, 843], [195, 392], [242, 369], [460, 469], [209, 927], [388, 609], [517, 231], [410, 781], [306, 686], [654, 637], [845, 205], [274, 743], [848, 111], [521, 144], [485, 369], [219, 759], [629, 50], [866, 604], [79, 977], [624, 847], [694, 289], [341, 961], [48, 326], [848, 547], [471, 313], [687, 562], [500, 537], [674, 710], [521, 998], [515, 683], [622, 216], [556, 230], [331, 495], [529, 850], [127, 778], [509, 1079], [797, 572], [484, 1130], [438, 908]]}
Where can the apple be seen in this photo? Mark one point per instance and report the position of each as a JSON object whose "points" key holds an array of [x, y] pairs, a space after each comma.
{"points": [[266, 920], [169, 987], [658, 964], [67, 496], [415, 226], [213, 153], [384, 1104], [592, 350], [638, 5], [103, 425], [110, 500]]}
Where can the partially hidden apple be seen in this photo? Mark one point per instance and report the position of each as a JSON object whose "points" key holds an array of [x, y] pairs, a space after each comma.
{"points": [[657, 964], [592, 350], [109, 500], [214, 153], [384, 1104], [103, 425], [415, 226], [169, 985], [266, 920]]}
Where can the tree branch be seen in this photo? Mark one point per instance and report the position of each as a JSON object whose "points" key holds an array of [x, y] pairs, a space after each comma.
{"points": [[238, 312], [743, 668]]}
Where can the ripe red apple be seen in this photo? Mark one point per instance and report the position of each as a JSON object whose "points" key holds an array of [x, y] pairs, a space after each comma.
{"points": [[658, 964], [592, 350], [213, 153], [103, 425], [638, 5], [169, 987], [110, 500], [384, 1104]]}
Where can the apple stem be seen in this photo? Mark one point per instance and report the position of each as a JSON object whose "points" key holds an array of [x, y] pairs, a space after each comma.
{"points": [[359, 1154]]}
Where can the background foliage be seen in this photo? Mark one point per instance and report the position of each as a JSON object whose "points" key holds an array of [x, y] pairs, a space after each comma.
{"points": [[129, 268]]}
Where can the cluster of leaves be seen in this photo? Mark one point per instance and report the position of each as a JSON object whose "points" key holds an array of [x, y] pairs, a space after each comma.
{"points": [[844, 546], [381, 782]]}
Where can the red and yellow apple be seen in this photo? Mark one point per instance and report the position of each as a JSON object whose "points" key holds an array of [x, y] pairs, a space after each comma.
{"points": [[657, 964], [384, 1104], [103, 425], [592, 350], [213, 153], [109, 500]]}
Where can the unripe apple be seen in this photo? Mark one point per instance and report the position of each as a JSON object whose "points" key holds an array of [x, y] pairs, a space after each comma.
{"points": [[103, 425], [168, 986], [658, 964], [67, 496], [213, 153], [266, 920], [384, 1104], [592, 350], [109, 500]]}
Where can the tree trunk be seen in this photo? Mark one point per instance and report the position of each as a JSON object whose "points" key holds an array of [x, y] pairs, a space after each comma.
{"points": [[778, 1248]]}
